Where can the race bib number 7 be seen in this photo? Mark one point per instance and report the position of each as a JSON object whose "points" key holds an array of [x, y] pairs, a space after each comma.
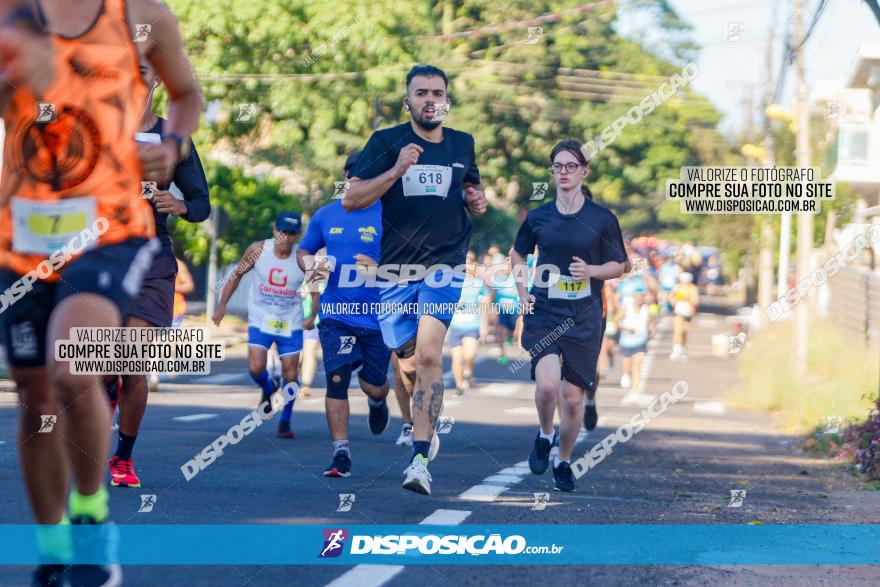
{"points": [[568, 288], [40, 228], [427, 180]]}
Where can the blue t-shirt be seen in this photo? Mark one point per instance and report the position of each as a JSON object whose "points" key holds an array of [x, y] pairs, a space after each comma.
{"points": [[506, 295], [346, 234], [668, 275], [629, 286], [424, 214], [467, 316]]}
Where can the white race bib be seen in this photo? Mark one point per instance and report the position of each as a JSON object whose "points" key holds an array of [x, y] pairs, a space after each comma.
{"points": [[277, 326], [427, 180], [684, 308], [40, 228], [568, 288]]}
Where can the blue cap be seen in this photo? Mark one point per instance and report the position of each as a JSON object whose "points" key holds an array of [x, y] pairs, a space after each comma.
{"points": [[288, 222], [352, 160]]}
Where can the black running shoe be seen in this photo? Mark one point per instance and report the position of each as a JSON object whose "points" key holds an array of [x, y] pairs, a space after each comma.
{"points": [[49, 576], [379, 418], [591, 417], [340, 467], [539, 458], [563, 477]]}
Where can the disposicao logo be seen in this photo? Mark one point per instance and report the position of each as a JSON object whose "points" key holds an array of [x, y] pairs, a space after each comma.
{"points": [[334, 541]]}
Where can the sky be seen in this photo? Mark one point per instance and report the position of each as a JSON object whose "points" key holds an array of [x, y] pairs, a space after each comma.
{"points": [[730, 69]]}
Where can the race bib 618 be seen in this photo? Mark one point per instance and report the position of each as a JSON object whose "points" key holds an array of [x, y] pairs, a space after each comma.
{"points": [[427, 180]]}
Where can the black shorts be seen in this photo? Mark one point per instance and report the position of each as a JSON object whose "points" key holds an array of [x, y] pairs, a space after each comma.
{"points": [[113, 271], [579, 356], [155, 302]]}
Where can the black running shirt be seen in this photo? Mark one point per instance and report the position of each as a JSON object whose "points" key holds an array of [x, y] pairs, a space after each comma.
{"points": [[424, 214], [189, 177], [593, 234]]}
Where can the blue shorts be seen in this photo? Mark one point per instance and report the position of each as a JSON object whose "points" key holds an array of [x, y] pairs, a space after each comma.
{"points": [[108, 271], [155, 302], [287, 345], [456, 336], [633, 350], [359, 347], [416, 299]]}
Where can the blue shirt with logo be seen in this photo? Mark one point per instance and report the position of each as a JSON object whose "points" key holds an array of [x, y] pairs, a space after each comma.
{"points": [[629, 286], [346, 234]]}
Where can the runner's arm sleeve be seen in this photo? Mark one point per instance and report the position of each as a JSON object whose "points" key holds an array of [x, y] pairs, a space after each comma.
{"points": [[189, 177], [373, 162], [611, 247], [525, 241]]}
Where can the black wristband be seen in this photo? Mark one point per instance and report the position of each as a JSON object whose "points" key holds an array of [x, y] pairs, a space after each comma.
{"points": [[182, 144]]}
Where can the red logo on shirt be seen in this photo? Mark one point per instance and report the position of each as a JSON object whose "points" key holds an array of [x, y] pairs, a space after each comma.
{"points": [[277, 277]]}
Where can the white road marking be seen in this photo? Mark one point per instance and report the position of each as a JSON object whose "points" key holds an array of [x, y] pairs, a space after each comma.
{"points": [[714, 408], [521, 411], [221, 378], [499, 389], [483, 492], [446, 517], [194, 418], [502, 479], [367, 576], [634, 398], [377, 575]]}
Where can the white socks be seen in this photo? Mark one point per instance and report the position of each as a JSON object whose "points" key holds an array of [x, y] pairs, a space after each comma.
{"points": [[547, 436]]}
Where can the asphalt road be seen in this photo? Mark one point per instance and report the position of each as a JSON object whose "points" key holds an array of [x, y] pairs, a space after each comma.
{"points": [[680, 469]]}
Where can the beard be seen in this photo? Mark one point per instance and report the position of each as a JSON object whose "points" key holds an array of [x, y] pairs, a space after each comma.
{"points": [[427, 123], [431, 123]]}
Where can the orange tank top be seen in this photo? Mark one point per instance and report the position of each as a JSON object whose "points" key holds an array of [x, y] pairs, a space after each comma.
{"points": [[70, 160]]}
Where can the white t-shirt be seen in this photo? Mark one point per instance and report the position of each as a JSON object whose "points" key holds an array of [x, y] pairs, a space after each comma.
{"points": [[638, 321]]}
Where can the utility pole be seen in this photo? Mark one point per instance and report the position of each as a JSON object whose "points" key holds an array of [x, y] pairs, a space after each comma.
{"points": [[213, 220], [785, 221], [765, 259], [804, 220]]}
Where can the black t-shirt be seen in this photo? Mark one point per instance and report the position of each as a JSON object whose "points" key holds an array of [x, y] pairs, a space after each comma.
{"points": [[424, 214], [189, 177], [593, 234]]}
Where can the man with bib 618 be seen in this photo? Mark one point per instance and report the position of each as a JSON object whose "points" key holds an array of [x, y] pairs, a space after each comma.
{"points": [[428, 180]]}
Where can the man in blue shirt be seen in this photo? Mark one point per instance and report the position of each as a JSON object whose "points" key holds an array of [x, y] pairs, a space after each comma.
{"points": [[428, 180], [349, 331]]}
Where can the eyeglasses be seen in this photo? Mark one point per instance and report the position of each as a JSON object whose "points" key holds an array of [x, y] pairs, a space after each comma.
{"points": [[569, 167]]}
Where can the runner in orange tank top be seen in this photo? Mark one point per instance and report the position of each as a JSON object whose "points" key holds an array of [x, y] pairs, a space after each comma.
{"points": [[75, 235]]}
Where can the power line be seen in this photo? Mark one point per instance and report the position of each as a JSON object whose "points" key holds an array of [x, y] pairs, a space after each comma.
{"points": [[514, 24]]}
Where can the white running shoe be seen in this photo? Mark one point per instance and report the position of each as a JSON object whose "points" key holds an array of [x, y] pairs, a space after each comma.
{"points": [[405, 437], [435, 446], [625, 381], [418, 478]]}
